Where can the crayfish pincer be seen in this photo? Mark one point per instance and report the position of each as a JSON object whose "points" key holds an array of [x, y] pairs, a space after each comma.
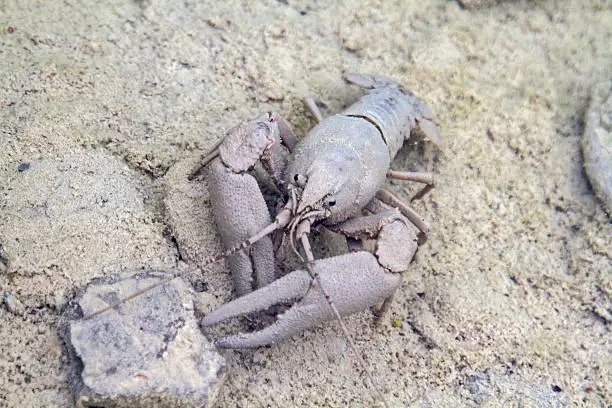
{"points": [[333, 177]]}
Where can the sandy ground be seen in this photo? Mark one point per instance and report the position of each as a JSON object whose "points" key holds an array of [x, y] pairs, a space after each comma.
{"points": [[105, 108]]}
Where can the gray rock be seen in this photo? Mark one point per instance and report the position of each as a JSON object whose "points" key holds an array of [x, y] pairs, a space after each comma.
{"points": [[147, 352], [597, 143], [13, 304]]}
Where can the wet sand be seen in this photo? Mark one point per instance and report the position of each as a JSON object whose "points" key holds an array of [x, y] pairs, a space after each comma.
{"points": [[104, 109]]}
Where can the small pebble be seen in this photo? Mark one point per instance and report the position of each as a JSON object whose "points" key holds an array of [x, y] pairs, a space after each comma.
{"points": [[23, 166], [13, 304]]}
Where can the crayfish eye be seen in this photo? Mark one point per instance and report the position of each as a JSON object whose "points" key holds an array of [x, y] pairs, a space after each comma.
{"points": [[300, 180]]}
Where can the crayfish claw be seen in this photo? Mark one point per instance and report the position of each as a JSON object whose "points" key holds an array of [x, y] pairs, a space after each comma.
{"points": [[355, 281], [293, 321], [289, 288]]}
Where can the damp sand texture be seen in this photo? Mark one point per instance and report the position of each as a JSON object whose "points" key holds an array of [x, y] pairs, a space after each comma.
{"points": [[105, 108]]}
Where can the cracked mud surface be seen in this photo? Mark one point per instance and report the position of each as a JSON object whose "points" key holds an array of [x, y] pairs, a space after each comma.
{"points": [[105, 108]]}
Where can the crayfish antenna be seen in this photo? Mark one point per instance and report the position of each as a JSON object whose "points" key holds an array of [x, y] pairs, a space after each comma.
{"points": [[130, 297], [281, 220], [315, 276], [210, 156]]}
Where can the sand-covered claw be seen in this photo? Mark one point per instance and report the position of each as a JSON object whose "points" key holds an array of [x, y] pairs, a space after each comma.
{"points": [[354, 281]]}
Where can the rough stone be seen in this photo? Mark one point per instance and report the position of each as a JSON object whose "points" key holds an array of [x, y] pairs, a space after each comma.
{"points": [[13, 304], [597, 143], [147, 352]]}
